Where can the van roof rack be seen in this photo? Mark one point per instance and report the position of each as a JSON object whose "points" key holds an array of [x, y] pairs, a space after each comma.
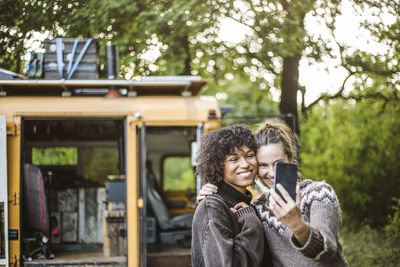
{"points": [[150, 85]]}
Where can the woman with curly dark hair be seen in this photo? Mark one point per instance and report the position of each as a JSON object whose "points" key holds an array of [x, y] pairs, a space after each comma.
{"points": [[226, 230]]}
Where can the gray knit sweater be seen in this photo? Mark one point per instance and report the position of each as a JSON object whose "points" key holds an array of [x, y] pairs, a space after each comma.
{"points": [[320, 210], [223, 238]]}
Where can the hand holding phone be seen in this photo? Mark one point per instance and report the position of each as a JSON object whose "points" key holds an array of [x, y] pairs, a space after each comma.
{"points": [[286, 175]]}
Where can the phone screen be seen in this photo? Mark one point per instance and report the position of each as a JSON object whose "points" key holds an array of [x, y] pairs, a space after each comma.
{"points": [[286, 175]]}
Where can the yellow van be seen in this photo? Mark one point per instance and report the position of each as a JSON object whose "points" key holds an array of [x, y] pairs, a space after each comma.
{"points": [[100, 172]]}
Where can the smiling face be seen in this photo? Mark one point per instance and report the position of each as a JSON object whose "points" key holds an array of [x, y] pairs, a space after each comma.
{"points": [[267, 156], [240, 168]]}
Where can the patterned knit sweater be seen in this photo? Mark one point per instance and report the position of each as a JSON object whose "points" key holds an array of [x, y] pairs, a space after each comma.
{"points": [[320, 210]]}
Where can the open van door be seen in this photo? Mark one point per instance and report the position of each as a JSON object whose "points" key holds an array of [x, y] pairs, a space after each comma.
{"points": [[195, 149], [3, 194], [142, 195]]}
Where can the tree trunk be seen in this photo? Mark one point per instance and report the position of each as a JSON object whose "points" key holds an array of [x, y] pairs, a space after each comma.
{"points": [[185, 42], [290, 85]]}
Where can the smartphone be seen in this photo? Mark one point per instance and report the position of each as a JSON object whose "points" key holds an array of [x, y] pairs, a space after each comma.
{"points": [[286, 175]]}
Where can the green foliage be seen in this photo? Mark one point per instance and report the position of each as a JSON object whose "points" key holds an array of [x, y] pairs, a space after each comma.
{"points": [[183, 35], [354, 147], [392, 229], [244, 96], [368, 247], [178, 174], [22, 19], [55, 156]]}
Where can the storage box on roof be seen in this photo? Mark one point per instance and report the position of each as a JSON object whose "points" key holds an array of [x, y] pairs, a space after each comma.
{"points": [[65, 53]]}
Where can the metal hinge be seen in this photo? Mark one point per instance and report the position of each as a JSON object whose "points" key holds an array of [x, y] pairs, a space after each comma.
{"points": [[15, 198], [14, 261], [12, 129]]}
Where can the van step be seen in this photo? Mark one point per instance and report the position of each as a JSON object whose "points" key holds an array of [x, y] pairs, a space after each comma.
{"points": [[168, 255], [113, 261], [175, 259]]}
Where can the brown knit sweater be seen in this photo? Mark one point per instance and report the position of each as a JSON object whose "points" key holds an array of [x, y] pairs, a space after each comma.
{"points": [[320, 210]]}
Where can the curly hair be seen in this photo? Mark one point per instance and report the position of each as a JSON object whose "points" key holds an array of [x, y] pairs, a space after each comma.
{"points": [[216, 145]]}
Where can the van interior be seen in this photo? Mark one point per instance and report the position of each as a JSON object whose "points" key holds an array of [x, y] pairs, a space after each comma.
{"points": [[73, 192]]}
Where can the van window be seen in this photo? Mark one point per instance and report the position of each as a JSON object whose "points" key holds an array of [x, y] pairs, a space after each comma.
{"points": [[98, 163], [178, 173], [55, 156]]}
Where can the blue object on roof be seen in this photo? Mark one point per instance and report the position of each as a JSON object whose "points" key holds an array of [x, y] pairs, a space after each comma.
{"points": [[9, 75]]}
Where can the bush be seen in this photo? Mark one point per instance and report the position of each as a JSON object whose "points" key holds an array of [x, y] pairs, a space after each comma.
{"points": [[367, 247], [392, 229], [355, 148]]}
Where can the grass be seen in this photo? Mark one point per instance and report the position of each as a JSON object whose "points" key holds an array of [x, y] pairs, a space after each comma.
{"points": [[369, 247]]}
